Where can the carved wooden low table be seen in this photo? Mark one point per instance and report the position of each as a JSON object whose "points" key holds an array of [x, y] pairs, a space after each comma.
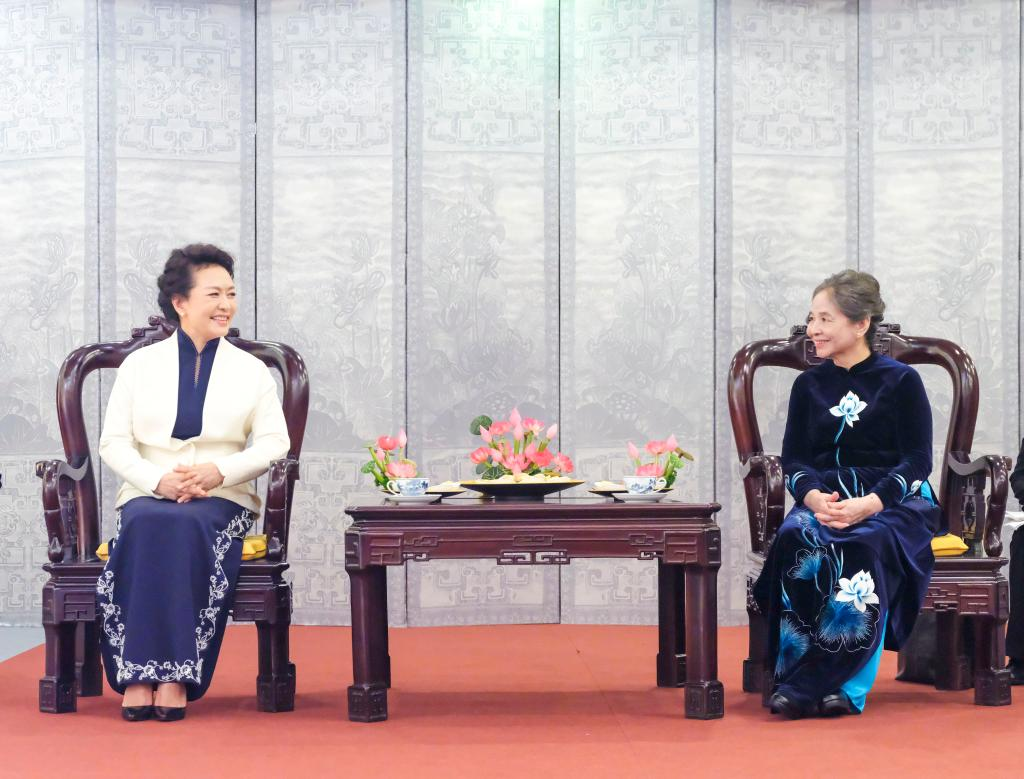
{"points": [[682, 537]]}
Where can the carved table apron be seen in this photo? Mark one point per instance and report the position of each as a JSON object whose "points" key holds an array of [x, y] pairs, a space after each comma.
{"points": [[682, 537]]}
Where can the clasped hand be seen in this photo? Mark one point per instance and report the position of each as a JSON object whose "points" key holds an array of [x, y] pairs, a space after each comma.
{"points": [[186, 482], [838, 514]]}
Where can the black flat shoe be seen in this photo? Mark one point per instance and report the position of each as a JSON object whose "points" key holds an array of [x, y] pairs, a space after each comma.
{"points": [[1016, 669], [136, 713], [169, 713], [836, 705], [780, 704]]}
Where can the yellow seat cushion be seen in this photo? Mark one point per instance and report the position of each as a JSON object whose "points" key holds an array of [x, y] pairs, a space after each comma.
{"points": [[253, 548], [948, 545]]}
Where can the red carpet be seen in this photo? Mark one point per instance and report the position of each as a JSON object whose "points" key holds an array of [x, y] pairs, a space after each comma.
{"points": [[540, 701]]}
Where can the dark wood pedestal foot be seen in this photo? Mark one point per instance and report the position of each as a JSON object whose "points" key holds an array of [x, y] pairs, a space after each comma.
{"points": [[705, 700], [275, 683], [705, 697], [276, 692], [57, 697], [753, 666], [991, 679], [992, 688], [58, 689], [368, 702]]}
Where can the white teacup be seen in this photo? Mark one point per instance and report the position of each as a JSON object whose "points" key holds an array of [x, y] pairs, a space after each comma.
{"points": [[415, 485], [643, 485]]}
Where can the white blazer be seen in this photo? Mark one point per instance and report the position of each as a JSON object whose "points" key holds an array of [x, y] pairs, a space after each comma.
{"points": [[241, 399]]}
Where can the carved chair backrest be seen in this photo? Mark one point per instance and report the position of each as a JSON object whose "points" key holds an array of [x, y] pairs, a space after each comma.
{"points": [[86, 359], [798, 352]]}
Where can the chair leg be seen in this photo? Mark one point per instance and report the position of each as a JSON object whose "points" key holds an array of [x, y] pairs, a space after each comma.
{"points": [[917, 657], [57, 688], [754, 665], [275, 685], [952, 666], [88, 669], [991, 679]]}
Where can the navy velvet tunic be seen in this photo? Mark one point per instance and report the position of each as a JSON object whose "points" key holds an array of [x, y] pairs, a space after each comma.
{"points": [[875, 435], [168, 585], [832, 595]]}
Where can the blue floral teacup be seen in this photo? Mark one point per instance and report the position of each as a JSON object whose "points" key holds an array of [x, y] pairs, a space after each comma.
{"points": [[417, 485], [643, 485]]}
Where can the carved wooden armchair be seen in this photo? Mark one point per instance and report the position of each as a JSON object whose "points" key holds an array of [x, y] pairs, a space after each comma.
{"points": [[967, 594], [72, 516]]}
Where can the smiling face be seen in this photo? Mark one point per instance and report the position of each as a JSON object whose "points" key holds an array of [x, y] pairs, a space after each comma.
{"points": [[834, 334], [210, 306]]}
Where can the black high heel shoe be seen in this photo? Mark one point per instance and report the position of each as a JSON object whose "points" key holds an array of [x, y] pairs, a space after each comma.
{"points": [[166, 713], [169, 713], [136, 713]]}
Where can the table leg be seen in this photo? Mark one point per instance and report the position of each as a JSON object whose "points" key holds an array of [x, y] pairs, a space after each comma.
{"points": [[671, 663], [371, 666], [705, 696]]}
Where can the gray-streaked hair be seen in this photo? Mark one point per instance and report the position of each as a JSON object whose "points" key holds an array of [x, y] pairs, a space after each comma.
{"points": [[858, 296]]}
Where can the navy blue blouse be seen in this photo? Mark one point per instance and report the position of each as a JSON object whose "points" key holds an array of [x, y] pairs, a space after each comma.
{"points": [[857, 431], [194, 370]]}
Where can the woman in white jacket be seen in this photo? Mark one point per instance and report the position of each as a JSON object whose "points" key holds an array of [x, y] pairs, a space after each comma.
{"points": [[179, 417]]}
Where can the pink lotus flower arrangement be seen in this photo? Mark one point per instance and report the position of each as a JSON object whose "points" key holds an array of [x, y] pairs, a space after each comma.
{"points": [[517, 446], [388, 460], [668, 449]]}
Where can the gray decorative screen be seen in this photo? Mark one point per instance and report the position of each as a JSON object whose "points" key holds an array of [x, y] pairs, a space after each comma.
{"points": [[583, 207]]}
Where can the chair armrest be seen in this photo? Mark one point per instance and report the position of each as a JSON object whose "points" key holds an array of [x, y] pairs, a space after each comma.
{"points": [[282, 476], [765, 491], [995, 469], [60, 507]]}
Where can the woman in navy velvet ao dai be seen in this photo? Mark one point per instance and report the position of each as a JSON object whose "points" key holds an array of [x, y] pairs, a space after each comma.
{"points": [[847, 572]]}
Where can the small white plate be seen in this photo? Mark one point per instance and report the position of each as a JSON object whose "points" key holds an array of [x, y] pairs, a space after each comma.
{"points": [[650, 497], [412, 498]]}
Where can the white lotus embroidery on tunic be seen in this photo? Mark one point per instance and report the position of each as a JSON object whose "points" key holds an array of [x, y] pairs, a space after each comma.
{"points": [[849, 408], [860, 591]]}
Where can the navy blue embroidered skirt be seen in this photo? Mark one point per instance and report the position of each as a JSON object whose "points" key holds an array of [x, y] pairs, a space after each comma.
{"points": [[831, 596], [166, 590]]}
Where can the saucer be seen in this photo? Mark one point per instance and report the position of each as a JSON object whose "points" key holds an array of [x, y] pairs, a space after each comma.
{"points": [[412, 499], [619, 490], [650, 497]]}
